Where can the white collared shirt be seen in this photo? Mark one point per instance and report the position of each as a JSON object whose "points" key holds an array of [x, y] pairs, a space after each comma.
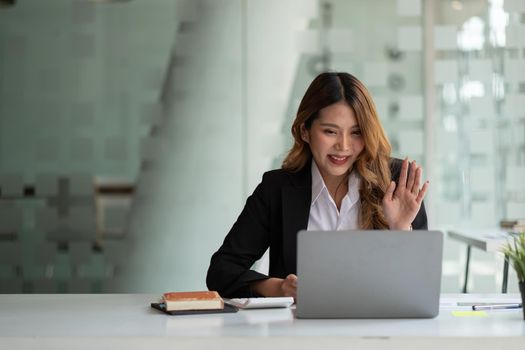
{"points": [[324, 214]]}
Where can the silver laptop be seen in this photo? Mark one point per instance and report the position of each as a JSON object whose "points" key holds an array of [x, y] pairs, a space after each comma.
{"points": [[368, 274]]}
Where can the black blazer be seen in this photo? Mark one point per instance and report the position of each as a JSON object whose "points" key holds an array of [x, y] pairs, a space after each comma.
{"points": [[278, 208]]}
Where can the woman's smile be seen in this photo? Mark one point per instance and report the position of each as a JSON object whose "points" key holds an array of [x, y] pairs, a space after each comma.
{"points": [[338, 160]]}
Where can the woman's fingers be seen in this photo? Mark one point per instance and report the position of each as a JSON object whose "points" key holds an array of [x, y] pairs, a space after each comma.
{"points": [[422, 193], [417, 180], [292, 279], [403, 175], [411, 175], [289, 286], [410, 179]]}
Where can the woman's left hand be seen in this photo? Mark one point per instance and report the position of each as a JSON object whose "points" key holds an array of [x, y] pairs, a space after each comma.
{"points": [[401, 204]]}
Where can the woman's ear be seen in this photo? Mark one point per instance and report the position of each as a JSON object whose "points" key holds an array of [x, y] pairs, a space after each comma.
{"points": [[305, 136]]}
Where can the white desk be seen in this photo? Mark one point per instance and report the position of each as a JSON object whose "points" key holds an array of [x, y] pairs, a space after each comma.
{"points": [[127, 322], [488, 240]]}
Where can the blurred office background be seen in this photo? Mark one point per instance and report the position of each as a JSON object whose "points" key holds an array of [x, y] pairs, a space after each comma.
{"points": [[132, 131]]}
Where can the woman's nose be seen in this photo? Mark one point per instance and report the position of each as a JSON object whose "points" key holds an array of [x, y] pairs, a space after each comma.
{"points": [[343, 143]]}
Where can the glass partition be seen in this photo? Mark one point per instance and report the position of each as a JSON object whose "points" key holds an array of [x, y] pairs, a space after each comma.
{"points": [[131, 132]]}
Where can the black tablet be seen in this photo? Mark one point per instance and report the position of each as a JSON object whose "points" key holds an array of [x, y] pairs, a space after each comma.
{"points": [[227, 309]]}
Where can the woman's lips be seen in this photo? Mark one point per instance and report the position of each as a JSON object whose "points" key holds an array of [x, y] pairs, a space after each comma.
{"points": [[338, 160]]}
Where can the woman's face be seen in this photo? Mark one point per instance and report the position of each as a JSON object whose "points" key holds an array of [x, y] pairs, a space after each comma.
{"points": [[335, 141]]}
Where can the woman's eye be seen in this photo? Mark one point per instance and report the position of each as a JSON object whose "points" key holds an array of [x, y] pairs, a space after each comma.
{"points": [[329, 132], [356, 132]]}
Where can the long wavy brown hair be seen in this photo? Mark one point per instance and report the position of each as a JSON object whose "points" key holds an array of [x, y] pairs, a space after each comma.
{"points": [[373, 164]]}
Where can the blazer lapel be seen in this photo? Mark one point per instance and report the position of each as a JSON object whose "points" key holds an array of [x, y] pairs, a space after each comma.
{"points": [[296, 210]]}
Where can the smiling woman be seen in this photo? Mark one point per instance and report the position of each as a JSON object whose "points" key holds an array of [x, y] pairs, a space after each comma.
{"points": [[338, 176], [336, 142]]}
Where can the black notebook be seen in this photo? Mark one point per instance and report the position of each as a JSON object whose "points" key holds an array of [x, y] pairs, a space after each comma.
{"points": [[227, 309]]}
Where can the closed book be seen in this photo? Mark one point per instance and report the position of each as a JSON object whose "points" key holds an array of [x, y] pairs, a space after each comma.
{"points": [[201, 300], [512, 224]]}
